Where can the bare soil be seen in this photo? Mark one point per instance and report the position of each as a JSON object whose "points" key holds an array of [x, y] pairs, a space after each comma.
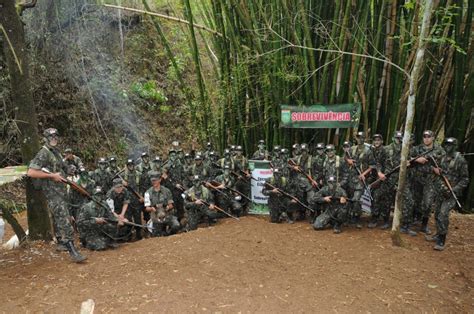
{"points": [[249, 266]]}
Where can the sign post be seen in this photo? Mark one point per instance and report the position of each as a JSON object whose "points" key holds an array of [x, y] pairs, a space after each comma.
{"points": [[260, 170]]}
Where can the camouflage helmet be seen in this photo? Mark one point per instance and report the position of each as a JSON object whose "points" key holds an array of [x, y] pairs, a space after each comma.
{"points": [[277, 148], [198, 157], [102, 160], [226, 151], [145, 154], [330, 147], [209, 144], [112, 158], [428, 133], [379, 136], [154, 175], [50, 132], [238, 148], [98, 190], [451, 141], [332, 179], [304, 147], [68, 151], [187, 156], [261, 142], [360, 134], [130, 162], [320, 146], [117, 183], [346, 144], [284, 151], [398, 134], [295, 146], [157, 159]]}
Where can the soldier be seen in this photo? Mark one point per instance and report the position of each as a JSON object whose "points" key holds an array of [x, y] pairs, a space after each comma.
{"points": [[227, 160], [240, 161], [95, 230], [187, 168], [173, 179], [243, 181], [275, 156], [76, 199], [113, 168], [159, 203], [454, 167], [334, 199], [118, 199], [101, 175], [132, 179], [384, 194], [156, 163], [331, 164], [358, 165], [71, 159], [50, 158], [194, 205], [261, 153], [277, 203], [228, 201], [211, 162], [208, 150], [199, 168], [295, 151], [285, 156], [301, 189], [319, 159], [424, 175]]}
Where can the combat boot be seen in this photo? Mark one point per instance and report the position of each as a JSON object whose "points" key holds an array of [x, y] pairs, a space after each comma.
{"points": [[385, 225], [337, 228], [432, 239], [440, 242], [372, 224], [424, 226], [75, 255], [60, 247], [406, 229]]}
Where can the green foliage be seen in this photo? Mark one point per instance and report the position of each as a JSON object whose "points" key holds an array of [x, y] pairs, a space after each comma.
{"points": [[149, 91]]}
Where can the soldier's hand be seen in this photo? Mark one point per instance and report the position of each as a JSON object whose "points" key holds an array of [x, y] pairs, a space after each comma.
{"points": [[421, 160], [56, 177], [381, 176], [198, 202], [121, 217], [125, 183], [350, 162], [212, 207], [314, 184], [327, 199], [142, 200], [362, 178], [293, 201], [169, 206], [100, 221], [120, 223], [343, 200], [437, 170], [150, 209], [164, 176], [275, 191]]}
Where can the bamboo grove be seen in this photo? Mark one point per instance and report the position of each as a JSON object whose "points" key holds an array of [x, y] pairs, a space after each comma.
{"points": [[263, 53]]}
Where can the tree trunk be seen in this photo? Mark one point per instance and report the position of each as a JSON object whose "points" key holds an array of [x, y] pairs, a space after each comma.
{"points": [[24, 112], [414, 77]]}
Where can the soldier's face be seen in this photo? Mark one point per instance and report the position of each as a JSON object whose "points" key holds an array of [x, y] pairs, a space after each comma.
{"points": [[332, 186], [146, 160], [130, 167], [102, 165], [330, 153], [320, 151], [172, 157], [68, 156], [378, 142], [53, 140], [360, 140], [156, 182], [261, 146], [449, 148], [397, 140], [118, 189], [428, 140], [346, 148], [226, 172]]}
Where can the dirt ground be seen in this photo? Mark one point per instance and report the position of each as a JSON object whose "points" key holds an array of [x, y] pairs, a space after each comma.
{"points": [[249, 266]]}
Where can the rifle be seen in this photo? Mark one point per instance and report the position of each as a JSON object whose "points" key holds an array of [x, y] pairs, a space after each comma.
{"points": [[209, 184], [360, 174], [376, 182], [232, 190], [129, 223], [208, 205], [290, 196], [86, 194], [297, 168], [232, 172], [338, 198], [448, 184], [132, 190]]}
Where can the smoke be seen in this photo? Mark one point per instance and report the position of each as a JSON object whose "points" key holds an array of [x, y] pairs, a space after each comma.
{"points": [[84, 42]]}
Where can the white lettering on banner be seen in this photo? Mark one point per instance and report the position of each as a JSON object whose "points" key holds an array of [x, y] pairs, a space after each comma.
{"points": [[261, 175]]}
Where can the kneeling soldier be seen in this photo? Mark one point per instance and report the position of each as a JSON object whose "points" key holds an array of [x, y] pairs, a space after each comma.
{"points": [[95, 230], [159, 203], [334, 199], [199, 203]]}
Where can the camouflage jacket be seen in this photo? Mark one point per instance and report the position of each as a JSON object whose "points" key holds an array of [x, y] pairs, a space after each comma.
{"points": [[50, 158], [456, 171]]}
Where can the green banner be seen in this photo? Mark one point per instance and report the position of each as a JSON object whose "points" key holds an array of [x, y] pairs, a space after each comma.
{"points": [[321, 116]]}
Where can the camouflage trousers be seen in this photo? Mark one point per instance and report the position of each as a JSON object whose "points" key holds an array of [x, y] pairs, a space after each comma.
{"points": [[442, 209], [408, 205], [384, 197], [166, 226], [97, 237], [354, 192], [60, 214], [426, 187], [332, 215], [195, 215]]}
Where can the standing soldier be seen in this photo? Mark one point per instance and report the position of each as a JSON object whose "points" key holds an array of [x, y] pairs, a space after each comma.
{"points": [[277, 203], [228, 201], [424, 175], [174, 177], [199, 169], [187, 168], [194, 205], [227, 160], [208, 150], [384, 194], [113, 168], [159, 203], [156, 163], [101, 175], [359, 164], [331, 164], [453, 167], [95, 230], [261, 153], [71, 159], [55, 191], [295, 151], [211, 162], [334, 199], [319, 159], [131, 179]]}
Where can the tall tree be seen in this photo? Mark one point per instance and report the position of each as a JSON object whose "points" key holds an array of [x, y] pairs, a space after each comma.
{"points": [[24, 110], [414, 78]]}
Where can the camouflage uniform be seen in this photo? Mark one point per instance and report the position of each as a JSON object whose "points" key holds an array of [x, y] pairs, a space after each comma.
{"points": [[384, 195], [116, 202], [197, 212], [76, 199], [50, 158], [74, 161], [319, 169], [334, 212], [300, 188], [454, 167], [277, 203], [423, 178], [164, 221], [331, 167], [175, 171], [102, 178], [228, 203], [96, 236], [135, 208]]}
